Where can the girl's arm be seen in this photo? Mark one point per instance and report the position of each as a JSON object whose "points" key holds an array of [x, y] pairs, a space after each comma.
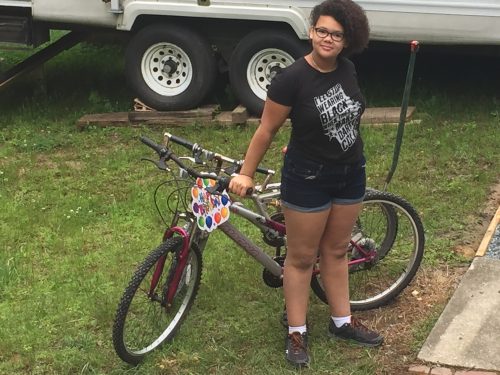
{"points": [[273, 117]]}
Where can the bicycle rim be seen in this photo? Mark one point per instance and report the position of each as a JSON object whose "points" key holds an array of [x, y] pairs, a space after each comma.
{"points": [[375, 283], [143, 322]]}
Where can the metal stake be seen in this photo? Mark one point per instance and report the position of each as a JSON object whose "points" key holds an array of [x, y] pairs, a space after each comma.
{"points": [[414, 45]]}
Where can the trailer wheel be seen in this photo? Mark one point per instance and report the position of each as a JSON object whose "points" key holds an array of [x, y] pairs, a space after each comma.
{"points": [[257, 58], [170, 67]]}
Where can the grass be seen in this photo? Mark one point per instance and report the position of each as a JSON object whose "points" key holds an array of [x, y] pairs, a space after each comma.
{"points": [[77, 215]]}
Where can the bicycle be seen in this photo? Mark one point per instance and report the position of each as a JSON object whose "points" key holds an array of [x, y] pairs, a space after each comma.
{"points": [[385, 250]]}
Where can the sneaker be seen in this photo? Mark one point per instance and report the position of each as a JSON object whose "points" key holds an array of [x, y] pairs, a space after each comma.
{"points": [[356, 332], [296, 349]]}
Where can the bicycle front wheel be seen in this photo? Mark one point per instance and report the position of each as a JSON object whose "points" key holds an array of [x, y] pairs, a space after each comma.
{"points": [[144, 319], [393, 228]]}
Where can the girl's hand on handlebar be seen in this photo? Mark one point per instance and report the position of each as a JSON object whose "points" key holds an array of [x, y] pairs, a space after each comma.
{"points": [[240, 184]]}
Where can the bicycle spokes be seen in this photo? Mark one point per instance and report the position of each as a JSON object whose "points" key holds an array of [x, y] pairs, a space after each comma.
{"points": [[144, 318]]}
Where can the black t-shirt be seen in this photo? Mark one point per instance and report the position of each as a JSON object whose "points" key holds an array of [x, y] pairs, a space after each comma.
{"points": [[326, 110]]}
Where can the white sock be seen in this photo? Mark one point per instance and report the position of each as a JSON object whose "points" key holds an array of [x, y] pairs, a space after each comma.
{"points": [[299, 329], [340, 321]]}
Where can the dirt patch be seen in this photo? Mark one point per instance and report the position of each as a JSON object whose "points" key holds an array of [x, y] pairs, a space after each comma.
{"points": [[44, 161], [413, 311], [405, 321]]}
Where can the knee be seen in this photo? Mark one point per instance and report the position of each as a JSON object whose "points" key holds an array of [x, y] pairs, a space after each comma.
{"points": [[300, 262], [334, 252]]}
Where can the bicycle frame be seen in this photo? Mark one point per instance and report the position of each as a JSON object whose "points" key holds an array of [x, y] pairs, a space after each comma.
{"points": [[191, 234], [259, 220], [262, 221]]}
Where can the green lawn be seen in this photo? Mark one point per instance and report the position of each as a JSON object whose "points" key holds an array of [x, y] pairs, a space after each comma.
{"points": [[77, 215]]}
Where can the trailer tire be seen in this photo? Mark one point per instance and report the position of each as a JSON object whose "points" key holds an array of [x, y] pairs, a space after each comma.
{"points": [[256, 60], [170, 67]]}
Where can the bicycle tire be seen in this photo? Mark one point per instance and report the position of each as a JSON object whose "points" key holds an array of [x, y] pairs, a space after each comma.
{"points": [[141, 323], [392, 223], [397, 231]]}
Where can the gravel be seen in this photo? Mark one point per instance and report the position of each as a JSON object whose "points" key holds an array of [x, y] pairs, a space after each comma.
{"points": [[494, 246]]}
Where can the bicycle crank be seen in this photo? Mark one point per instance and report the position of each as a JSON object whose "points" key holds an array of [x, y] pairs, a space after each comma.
{"points": [[271, 237], [271, 280]]}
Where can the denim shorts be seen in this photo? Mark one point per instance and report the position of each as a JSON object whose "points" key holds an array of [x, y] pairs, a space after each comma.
{"points": [[309, 186]]}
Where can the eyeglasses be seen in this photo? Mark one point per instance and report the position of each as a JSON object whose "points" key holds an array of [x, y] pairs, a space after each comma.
{"points": [[322, 33]]}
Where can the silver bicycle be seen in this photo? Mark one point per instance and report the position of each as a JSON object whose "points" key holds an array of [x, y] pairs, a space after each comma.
{"points": [[385, 250]]}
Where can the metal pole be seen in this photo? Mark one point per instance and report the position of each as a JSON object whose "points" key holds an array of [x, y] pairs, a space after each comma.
{"points": [[414, 45]]}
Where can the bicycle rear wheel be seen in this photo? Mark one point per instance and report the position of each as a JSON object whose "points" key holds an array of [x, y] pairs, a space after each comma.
{"points": [[393, 227], [143, 319]]}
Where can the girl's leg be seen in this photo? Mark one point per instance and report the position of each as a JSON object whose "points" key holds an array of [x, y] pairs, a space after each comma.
{"points": [[333, 260], [304, 231], [335, 276]]}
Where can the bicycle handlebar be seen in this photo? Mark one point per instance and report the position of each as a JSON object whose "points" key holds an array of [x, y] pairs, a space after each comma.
{"points": [[160, 150], [181, 141], [198, 150], [166, 154]]}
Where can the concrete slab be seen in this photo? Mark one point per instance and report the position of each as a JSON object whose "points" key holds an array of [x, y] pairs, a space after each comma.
{"points": [[467, 334]]}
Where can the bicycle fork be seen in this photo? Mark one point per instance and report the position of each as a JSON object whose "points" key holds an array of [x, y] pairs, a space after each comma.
{"points": [[181, 259]]}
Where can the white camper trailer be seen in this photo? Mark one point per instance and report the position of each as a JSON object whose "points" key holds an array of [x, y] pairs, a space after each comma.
{"points": [[171, 58]]}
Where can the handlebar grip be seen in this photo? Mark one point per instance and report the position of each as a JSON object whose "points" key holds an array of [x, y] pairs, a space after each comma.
{"points": [[262, 170], [181, 141], [224, 185], [148, 142]]}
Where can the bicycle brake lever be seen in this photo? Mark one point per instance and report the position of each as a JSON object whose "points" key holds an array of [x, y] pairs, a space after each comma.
{"points": [[160, 164], [197, 157], [232, 169]]}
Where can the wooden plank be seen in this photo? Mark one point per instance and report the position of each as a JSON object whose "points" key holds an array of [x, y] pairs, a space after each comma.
{"points": [[193, 114], [371, 116], [384, 115], [122, 119], [254, 121], [171, 118], [239, 115], [103, 119], [206, 114], [483, 246], [174, 121], [224, 118]]}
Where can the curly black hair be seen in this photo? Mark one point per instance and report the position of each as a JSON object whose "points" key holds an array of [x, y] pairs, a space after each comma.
{"points": [[352, 18]]}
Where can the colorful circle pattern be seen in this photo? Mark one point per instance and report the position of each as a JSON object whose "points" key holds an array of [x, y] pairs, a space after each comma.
{"points": [[211, 210]]}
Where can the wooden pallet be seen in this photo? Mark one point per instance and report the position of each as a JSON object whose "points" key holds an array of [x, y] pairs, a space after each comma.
{"points": [[138, 118], [209, 115]]}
